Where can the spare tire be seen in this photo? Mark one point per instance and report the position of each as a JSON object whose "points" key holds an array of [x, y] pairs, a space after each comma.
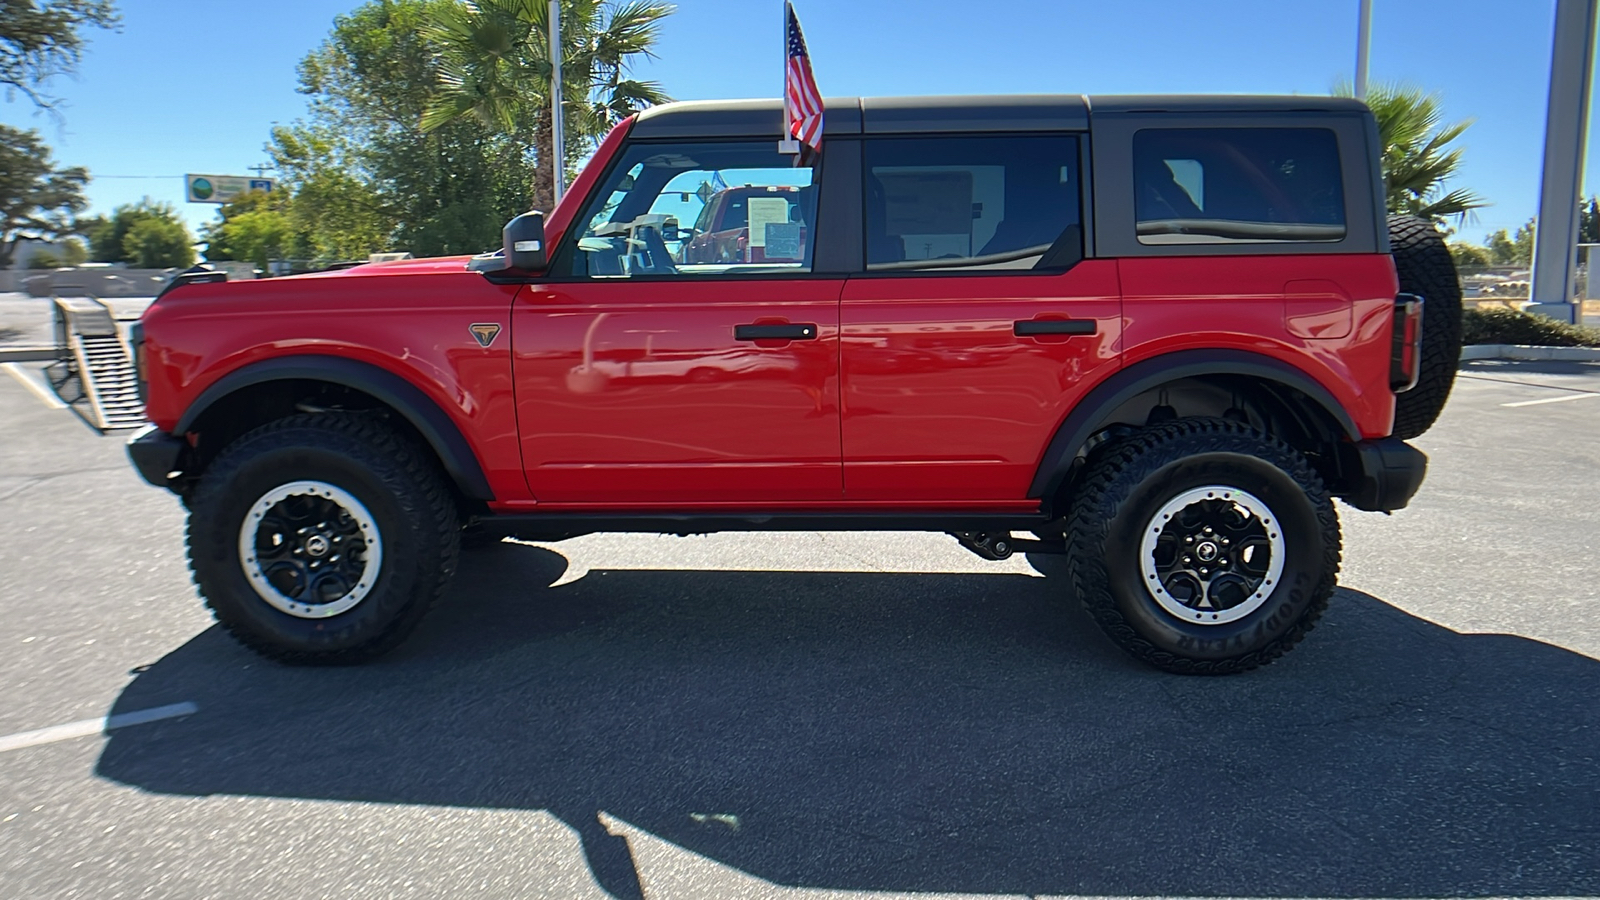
{"points": [[1423, 263]]}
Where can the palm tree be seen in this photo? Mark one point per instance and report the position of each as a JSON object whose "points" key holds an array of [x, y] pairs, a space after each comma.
{"points": [[495, 64], [1416, 157]]}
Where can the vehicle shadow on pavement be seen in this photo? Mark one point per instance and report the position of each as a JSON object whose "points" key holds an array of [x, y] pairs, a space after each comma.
{"points": [[946, 733]]}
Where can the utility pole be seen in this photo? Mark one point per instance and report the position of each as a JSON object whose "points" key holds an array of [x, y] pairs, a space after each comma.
{"points": [[1363, 47], [1566, 127], [557, 138], [262, 169]]}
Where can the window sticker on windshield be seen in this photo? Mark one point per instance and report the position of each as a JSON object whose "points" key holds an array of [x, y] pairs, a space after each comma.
{"points": [[782, 240], [766, 211]]}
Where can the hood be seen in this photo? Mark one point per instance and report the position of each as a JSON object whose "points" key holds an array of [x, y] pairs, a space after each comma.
{"points": [[434, 265]]}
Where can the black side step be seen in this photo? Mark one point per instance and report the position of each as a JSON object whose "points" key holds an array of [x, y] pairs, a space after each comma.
{"points": [[558, 525]]}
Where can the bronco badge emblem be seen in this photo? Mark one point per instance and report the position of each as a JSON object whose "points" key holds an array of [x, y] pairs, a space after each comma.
{"points": [[484, 332]]}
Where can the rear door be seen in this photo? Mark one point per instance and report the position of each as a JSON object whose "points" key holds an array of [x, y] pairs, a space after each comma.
{"points": [[978, 324], [648, 373]]}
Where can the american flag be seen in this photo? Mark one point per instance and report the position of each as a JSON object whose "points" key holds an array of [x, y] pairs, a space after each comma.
{"points": [[802, 102]]}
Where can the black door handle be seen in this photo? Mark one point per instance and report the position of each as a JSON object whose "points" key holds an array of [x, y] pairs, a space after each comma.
{"points": [[1033, 327], [797, 332]]}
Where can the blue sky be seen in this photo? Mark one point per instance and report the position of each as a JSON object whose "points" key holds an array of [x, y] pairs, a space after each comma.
{"points": [[194, 85]]}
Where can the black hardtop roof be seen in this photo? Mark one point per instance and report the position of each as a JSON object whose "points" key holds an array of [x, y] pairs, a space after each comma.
{"points": [[1010, 112]]}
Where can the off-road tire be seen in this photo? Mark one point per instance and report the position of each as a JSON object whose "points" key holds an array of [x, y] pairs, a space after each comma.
{"points": [[1423, 263], [1129, 481], [398, 483]]}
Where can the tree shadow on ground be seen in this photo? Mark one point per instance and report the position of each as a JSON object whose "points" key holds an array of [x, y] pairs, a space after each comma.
{"points": [[922, 733]]}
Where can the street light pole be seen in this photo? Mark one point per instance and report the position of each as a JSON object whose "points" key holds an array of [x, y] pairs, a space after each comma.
{"points": [[557, 138], [1363, 47]]}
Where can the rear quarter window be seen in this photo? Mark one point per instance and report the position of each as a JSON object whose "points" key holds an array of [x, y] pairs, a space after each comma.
{"points": [[1237, 185]]}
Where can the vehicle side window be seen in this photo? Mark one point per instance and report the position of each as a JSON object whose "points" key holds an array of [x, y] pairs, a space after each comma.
{"points": [[750, 207], [973, 203], [1232, 185]]}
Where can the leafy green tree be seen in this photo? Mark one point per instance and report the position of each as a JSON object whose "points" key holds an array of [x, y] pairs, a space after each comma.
{"points": [[496, 71], [260, 236], [1469, 255], [40, 40], [258, 227], [159, 242], [1589, 221], [37, 200], [106, 235], [125, 237], [337, 209], [1507, 249], [69, 252], [363, 173], [1417, 158]]}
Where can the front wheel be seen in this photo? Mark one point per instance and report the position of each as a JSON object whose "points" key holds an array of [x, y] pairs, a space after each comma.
{"points": [[1202, 546], [322, 539]]}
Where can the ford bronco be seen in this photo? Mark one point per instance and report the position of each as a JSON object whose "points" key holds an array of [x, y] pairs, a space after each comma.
{"points": [[1155, 334]]}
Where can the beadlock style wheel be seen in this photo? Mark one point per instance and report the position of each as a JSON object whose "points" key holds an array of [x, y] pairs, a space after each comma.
{"points": [[1187, 571], [310, 549], [323, 538], [1212, 555]]}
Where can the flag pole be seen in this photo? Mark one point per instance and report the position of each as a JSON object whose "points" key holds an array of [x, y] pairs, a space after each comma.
{"points": [[787, 145]]}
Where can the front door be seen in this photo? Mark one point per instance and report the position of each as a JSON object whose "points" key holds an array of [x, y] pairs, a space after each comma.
{"points": [[675, 361], [977, 325]]}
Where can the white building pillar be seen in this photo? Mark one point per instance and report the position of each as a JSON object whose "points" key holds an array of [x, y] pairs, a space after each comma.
{"points": [[1555, 246]]}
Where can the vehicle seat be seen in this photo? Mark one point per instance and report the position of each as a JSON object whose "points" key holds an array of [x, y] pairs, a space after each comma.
{"points": [[648, 254], [1160, 196], [882, 247]]}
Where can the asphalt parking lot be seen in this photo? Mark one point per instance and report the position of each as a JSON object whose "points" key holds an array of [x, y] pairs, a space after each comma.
{"points": [[816, 714]]}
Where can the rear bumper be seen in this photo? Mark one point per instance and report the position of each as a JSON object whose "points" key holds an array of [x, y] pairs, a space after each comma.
{"points": [[1383, 474], [154, 454]]}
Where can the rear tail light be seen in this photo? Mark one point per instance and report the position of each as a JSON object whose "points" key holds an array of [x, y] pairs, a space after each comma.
{"points": [[1405, 355]]}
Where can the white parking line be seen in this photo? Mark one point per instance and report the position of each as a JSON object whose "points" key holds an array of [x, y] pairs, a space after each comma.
{"points": [[1550, 400], [94, 726], [45, 395]]}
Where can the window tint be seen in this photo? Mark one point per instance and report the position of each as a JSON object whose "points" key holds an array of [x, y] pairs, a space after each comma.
{"points": [[972, 203], [1226, 185], [698, 209]]}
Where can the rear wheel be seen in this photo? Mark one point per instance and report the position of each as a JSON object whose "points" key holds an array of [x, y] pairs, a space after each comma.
{"points": [[1423, 263], [1202, 546], [322, 538]]}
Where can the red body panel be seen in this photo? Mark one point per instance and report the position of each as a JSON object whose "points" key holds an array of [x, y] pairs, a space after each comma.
{"points": [[1269, 305], [916, 393], [412, 323], [638, 392], [943, 401]]}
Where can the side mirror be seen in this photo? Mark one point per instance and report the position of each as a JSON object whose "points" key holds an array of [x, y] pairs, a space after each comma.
{"points": [[524, 243]]}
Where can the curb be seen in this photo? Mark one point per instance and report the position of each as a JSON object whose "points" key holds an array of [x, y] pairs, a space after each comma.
{"points": [[29, 354], [1527, 352]]}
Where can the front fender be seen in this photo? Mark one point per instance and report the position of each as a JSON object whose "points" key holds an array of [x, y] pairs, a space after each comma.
{"points": [[405, 398]]}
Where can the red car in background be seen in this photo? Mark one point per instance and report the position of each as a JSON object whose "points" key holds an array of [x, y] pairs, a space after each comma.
{"points": [[722, 232]]}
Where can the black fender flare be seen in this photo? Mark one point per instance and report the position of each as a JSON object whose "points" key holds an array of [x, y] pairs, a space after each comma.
{"points": [[1089, 415], [405, 398]]}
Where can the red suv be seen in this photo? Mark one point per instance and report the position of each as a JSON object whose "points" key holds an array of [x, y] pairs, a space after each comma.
{"points": [[1155, 334]]}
